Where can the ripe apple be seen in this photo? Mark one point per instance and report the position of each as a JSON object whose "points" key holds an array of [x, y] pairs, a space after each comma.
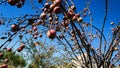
{"points": [[9, 49], [19, 5], [4, 65], [50, 18], [57, 10], [14, 27], [74, 18], [47, 5], [39, 1], [35, 36], [1, 66], [22, 45], [30, 21], [72, 7], [43, 16], [12, 2], [19, 49], [51, 33], [35, 28], [36, 32], [40, 35], [20, 36], [71, 14], [52, 6], [58, 2], [1, 54], [80, 19], [6, 60], [23, 1], [58, 28], [17, 1]]}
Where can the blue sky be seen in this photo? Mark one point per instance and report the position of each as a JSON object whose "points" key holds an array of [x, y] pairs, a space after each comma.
{"points": [[96, 7]]}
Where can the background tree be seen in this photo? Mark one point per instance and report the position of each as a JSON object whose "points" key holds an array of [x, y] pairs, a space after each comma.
{"points": [[41, 55], [13, 60]]}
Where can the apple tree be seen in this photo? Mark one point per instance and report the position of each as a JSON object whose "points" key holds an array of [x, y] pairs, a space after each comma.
{"points": [[62, 23]]}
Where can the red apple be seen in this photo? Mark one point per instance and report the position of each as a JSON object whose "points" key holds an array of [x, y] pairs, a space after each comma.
{"points": [[12, 2], [19, 5], [9, 49], [35, 28], [35, 36], [47, 5], [20, 36], [40, 35], [14, 27], [52, 6], [4, 65], [72, 7], [74, 18], [1, 66], [22, 45], [58, 2], [57, 10], [51, 33], [19, 49], [71, 14], [17, 1], [6, 60], [39, 1], [30, 21], [45, 10], [58, 28], [50, 19], [80, 19], [1, 54], [36, 32], [23, 1], [43, 15]]}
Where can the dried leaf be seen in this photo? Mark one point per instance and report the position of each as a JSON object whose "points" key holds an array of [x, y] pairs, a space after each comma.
{"points": [[37, 43], [3, 37]]}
